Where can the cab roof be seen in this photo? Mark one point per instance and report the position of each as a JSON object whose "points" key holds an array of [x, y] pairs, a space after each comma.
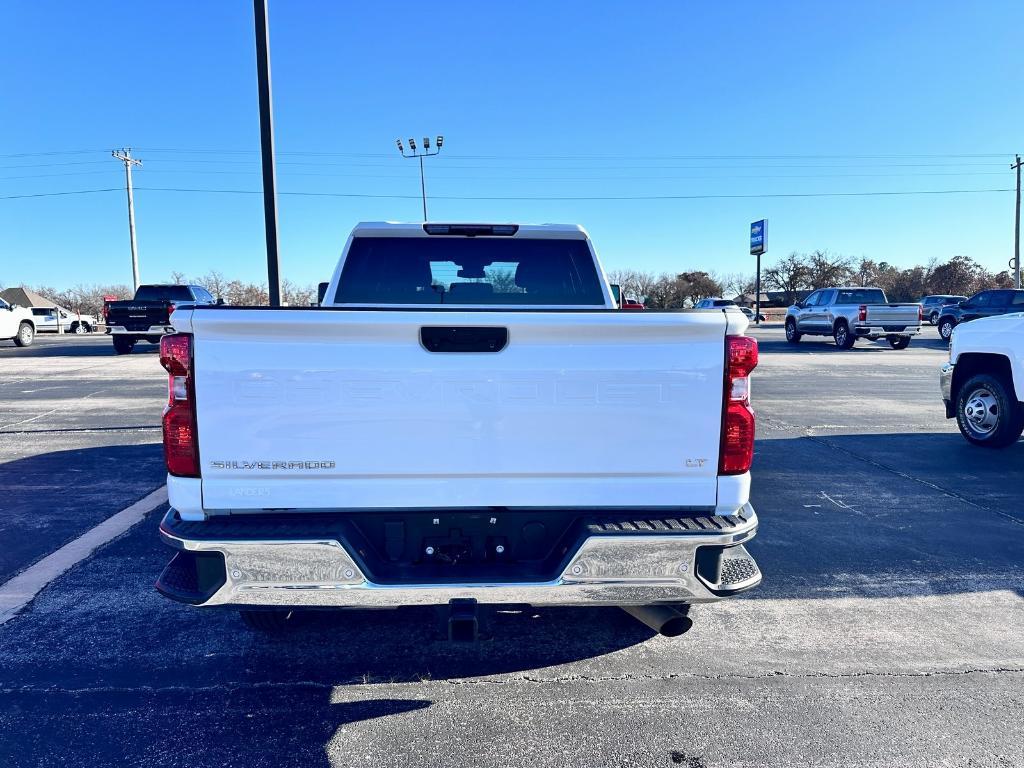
{"points": [[463, 229]]}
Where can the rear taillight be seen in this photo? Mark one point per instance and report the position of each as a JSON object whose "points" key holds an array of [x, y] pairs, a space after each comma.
{"points": [[181, 448], [920, 313], [862, 313], [737, 445], [106, 311], [170, 309]]}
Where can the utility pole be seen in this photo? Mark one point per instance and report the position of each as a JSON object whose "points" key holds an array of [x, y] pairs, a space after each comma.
{"points": [[267, 149], [1016, 230], [125, 156], [425, 152]]}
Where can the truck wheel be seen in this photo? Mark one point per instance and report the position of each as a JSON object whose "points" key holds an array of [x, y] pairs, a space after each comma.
{"points": [[898, 342], [946, 326], [988, 413], [268, 621], [79, 328], [792, 334], [26, 334], [843, 336], [123, 345], [933, 318]]}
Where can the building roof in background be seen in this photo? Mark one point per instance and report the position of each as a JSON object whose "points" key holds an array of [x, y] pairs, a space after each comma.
{"points": [[26, 298]]}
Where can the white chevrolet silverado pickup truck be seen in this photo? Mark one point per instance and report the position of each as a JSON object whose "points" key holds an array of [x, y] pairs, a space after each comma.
{"points": [[444, 429]]}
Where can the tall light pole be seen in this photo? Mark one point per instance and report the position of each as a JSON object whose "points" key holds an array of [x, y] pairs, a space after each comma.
{"points": [[125, 156], [420, 154], [1016, 230], [267, 149]]}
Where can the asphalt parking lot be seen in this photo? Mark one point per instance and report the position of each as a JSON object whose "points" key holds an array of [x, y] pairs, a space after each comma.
{"points": [[888, 630]]}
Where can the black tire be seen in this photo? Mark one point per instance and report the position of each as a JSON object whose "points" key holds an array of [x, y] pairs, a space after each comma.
{"points": [[268, 621], [153, 339], [88, 328], [933, 318], [988, 413], [79, 328], [898, 342], [946, 326], [26, 335], [845, 338], [123, 345], [792, 334]]}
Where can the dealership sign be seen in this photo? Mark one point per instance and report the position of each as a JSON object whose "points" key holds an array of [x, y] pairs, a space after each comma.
{"points": [[757, 237]]}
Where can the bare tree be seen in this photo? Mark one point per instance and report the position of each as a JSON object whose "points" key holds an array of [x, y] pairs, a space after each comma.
{"points": [[790, 276], [214, 282], [635, 284], [824, 270], [178, 278], [238, 293], [695, 286], [297, 296], [737, 284]]}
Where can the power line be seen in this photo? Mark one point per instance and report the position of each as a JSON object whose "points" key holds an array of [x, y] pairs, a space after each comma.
{"points": [[61, 152], [52, 165], [58, 194], [737, 157], [877, 193]]}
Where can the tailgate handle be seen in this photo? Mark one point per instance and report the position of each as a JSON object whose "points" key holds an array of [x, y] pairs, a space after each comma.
{"points": [[447, 338]]}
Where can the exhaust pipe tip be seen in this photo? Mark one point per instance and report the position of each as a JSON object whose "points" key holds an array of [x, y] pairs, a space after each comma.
{"points": [[676, 626], [663, 619]]}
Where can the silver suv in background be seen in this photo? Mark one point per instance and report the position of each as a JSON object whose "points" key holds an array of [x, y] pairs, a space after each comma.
{"points": [[931, 306], [847, 314]]}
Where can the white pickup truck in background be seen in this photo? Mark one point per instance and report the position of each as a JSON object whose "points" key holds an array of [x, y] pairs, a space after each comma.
{"points": [[444, 429]]}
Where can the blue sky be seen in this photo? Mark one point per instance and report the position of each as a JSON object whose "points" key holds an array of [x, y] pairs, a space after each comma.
{"points": [[535, 99]]}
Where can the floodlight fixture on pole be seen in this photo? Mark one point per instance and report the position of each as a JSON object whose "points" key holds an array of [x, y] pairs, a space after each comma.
{"points": [[419, 154]]}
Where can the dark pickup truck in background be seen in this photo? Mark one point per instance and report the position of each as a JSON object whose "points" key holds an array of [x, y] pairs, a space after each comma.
{"points": [[148, 315], [991, 303]]}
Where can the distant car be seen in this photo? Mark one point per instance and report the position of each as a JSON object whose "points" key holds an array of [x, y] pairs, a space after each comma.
{"points": [[714, 303], [148, 315], [991, 303], [17, 324], [983, 383], [932, 306], [50, 319], [750, 314]]}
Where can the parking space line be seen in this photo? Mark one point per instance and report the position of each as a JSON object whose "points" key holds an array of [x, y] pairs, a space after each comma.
{"points": [[22, 589]]}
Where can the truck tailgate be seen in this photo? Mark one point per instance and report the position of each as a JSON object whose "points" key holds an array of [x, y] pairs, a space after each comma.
{"points": [[894, 314], [336, 409]]}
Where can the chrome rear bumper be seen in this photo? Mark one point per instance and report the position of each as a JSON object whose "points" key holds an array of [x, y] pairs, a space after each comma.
{"points": [[637, 568]]}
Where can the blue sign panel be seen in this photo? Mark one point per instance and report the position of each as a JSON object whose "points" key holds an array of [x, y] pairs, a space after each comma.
{"points": [[757, 229]]}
